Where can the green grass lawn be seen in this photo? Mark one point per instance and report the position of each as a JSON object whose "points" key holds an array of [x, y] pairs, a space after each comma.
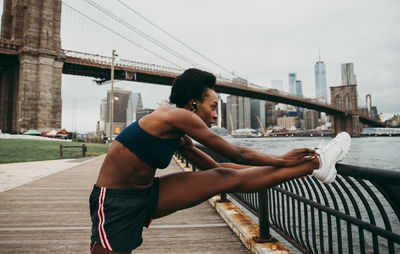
{"points": [[20, 150]]}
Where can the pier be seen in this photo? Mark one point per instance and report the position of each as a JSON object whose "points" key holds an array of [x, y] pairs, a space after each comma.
{"points": [[358, 213], [51, 215]]}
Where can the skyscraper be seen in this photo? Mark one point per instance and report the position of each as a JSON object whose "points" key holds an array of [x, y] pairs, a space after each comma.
{"points": [[257, 111], [238, 112], [320, 82], [310, 119], [348, 77], [244, 120], [126, 106], [134, 105], [292, 83], [270, 114], [231, 112], [103, 117], [299, 88]]}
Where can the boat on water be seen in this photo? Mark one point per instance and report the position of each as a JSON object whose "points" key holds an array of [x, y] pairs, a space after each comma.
{"points": [[246, 133]]}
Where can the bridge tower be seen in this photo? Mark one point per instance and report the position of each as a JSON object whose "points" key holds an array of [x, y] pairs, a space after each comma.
{"points": [[345, 97], [30, 86]]}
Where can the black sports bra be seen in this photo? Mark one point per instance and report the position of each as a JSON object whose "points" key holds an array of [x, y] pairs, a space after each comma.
{"points": [[154, 151]]}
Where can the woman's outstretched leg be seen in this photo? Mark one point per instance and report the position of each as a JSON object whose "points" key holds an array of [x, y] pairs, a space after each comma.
{"points": [[186, 189]]}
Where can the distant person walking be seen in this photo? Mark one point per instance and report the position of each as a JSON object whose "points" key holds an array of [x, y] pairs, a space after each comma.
{"points": [[127, 195]]}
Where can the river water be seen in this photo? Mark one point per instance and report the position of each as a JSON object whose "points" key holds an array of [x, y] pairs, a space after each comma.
{"points": [[374, 152]]}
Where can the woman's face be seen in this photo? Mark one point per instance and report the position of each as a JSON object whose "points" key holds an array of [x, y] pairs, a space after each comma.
{"points": [[207, 109]]}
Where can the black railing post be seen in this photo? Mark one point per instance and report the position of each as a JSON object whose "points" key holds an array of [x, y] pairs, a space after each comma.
{"points": [[61, 152], [84, 150], [263, 224], [223, 198]]}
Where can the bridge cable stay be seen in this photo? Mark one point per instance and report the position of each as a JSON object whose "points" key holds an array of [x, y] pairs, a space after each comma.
{"points": [[143, 34], [176, 39], [122, 36]]}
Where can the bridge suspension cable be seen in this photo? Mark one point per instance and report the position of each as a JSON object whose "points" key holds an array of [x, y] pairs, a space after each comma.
{"points": [[143, 34], [176, 39], [122, 36]]}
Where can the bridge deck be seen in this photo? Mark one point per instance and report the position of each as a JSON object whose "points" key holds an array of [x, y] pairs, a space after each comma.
{"points": [[51, 215]]}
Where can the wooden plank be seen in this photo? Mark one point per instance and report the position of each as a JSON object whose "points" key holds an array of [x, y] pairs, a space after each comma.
{"points": [[51, 215]]}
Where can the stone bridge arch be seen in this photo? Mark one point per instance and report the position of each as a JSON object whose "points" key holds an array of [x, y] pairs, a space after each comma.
{"points": [[30, 86], [345, 97]]}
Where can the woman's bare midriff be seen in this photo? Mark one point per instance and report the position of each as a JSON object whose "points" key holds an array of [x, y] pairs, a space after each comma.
{"points": [[122, 169]]}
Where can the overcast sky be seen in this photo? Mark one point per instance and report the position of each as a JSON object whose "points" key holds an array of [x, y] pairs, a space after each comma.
{"points": [[258, 40]]}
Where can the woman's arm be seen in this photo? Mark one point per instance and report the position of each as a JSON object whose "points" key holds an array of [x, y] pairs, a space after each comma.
{"points": [[201, 159], [192, 125], [194, 155]]}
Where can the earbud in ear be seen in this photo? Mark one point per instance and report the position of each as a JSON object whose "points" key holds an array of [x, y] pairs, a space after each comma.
{"points": [[194, 106]]}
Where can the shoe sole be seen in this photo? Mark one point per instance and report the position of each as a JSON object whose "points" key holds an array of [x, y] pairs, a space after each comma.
{"points": [[346, 146]]}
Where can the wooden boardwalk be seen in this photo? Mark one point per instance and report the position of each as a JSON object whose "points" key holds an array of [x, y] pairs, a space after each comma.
{"points": [[51, 215]]}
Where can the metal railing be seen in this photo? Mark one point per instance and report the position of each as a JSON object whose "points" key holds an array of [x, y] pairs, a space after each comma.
{"points": [[121, 63], [358, 213], [124, 63]]}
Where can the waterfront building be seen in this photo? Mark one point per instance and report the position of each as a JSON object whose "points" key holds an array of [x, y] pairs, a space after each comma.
{"points": [[374, 113], [292, 83], [320, 82], [126, 105], [231, 112], [394, 121], [134, 104], [348, 77], [270, 114], [381, 117], [299, 88], [288, 123], [121, 98], [281, 107], [223, 114], [310, 119], [244, 112], [257, 109], [277, 84], [101, 129], [238, 112]]}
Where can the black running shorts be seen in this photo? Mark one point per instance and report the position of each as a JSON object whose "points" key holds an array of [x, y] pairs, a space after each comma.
{"points": [[118, 216]]}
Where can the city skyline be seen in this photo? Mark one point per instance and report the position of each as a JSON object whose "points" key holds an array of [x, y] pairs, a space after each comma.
{"points": [[241, 38]]}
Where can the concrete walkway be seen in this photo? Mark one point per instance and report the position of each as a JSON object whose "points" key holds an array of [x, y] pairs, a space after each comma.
{"points": [[15, 174], [50, 214]]}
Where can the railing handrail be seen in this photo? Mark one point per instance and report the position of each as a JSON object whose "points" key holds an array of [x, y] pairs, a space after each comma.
{"points": [[367, 173], [365, 199]]}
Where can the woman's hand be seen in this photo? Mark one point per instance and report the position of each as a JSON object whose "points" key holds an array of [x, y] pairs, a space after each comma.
{"points": [[298, 156]]}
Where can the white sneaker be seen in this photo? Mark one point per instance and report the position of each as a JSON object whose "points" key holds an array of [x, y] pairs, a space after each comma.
{"points": [[329, 155]]}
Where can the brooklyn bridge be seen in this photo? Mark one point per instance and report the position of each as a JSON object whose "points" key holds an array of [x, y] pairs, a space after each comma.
{"points": [[32, 62]]}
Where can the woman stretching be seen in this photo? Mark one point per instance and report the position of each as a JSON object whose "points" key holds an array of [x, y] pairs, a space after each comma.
{"points": [[127, 196]]}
